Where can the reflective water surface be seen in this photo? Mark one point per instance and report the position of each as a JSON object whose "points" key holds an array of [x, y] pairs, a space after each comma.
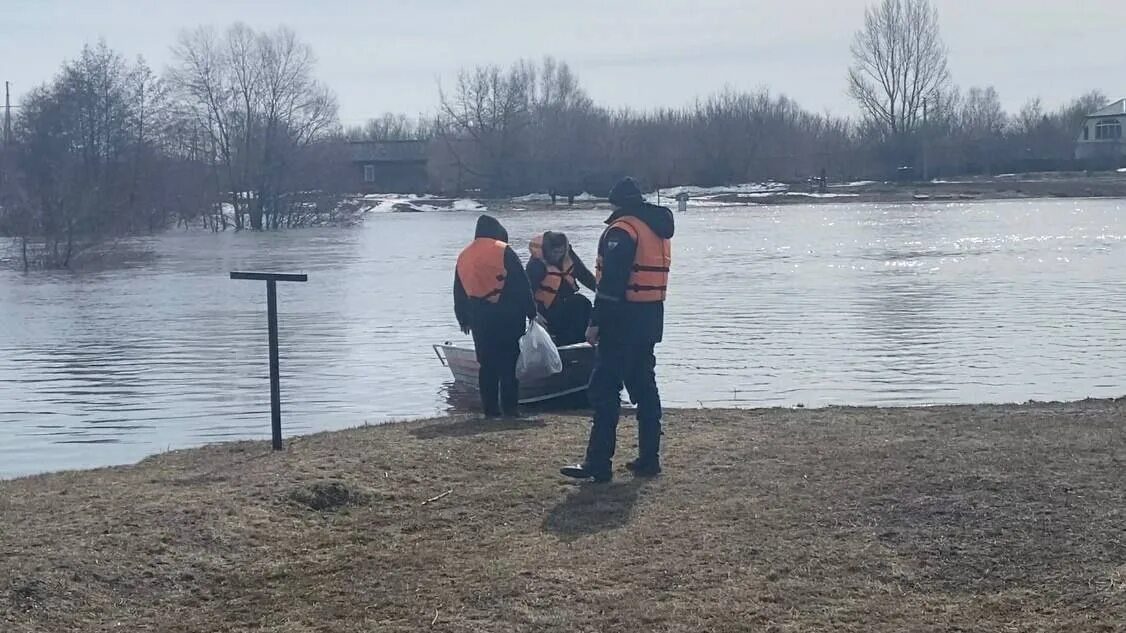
{"points": [[812, 305]]}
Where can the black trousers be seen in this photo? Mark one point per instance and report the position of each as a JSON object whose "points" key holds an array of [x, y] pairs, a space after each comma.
{"points": [[567, 319], [635, 366], [498, 348]]}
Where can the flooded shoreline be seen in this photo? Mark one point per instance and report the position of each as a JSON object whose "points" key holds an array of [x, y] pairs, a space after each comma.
{"points": [[845, 304]]}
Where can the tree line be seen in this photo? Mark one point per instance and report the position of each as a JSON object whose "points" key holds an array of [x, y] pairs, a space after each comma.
{"points": [[531, 126], [238, 133], [510, 131]]}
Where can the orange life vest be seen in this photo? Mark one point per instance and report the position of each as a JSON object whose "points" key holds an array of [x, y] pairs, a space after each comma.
{"points": [[480, 267], [556, 276], [649, 277]]}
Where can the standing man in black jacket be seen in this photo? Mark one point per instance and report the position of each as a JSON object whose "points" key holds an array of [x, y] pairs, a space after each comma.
{"points": [[634, 259], [493, 301]]}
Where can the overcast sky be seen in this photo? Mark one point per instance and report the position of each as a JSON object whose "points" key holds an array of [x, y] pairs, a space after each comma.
{"points": [[390, 55]]}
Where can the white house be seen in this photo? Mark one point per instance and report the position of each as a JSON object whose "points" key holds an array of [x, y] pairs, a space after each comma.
{"points": [[1101, 136]]}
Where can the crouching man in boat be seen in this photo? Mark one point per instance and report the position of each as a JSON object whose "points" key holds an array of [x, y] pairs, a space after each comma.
{"points": [[555, 272], [493, 301], [634, 258]]}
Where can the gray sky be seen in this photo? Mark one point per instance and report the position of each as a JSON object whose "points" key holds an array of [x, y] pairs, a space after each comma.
{"points": [[390, 55]]}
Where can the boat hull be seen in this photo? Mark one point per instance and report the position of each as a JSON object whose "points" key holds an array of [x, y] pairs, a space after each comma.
{"points": [[578, 360]]}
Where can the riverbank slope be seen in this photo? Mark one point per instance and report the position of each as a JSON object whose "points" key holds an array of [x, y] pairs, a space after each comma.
{"points": [[937, 519]]}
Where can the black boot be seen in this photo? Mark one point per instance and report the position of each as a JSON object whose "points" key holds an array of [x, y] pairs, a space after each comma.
{"points": [[639, 468], [596, 453], [583, 471], [648, 462]]}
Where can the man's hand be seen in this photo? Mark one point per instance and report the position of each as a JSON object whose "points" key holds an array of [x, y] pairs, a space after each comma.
{"points": [[592, 335]]}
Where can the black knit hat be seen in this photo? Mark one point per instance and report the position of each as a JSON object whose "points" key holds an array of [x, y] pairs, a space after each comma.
{"points": [[626, 193], [490, 227]]}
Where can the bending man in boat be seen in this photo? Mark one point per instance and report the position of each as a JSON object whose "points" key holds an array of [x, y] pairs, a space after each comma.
{"points": [[555, 272], [493, 301]]}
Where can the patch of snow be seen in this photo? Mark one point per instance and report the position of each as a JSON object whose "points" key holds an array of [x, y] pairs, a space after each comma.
{"points": [[1122, 171], [415, 203], [703, 202], [397, 196], [708, 203], [388, 205], [823, 195], [742, 189], [465, 204], [382, 207], [858, 183], [559, 197], [419, 205]]}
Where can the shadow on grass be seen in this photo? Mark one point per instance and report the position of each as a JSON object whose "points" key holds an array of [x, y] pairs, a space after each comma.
{"points": [[476, 426], [594, 508]]}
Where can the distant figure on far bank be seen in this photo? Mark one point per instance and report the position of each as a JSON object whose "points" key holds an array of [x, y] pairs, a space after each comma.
{"points": [[493, 302], [555, 272], [634, 259]]}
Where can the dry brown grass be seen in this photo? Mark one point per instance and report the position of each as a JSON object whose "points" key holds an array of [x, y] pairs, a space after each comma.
{"points": [[945, 519]]}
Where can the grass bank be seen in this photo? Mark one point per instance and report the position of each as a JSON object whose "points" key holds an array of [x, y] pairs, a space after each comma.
{"points": [[985, 518]]}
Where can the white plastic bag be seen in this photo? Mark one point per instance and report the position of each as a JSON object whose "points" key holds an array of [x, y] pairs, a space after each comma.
{"points": [[539, 357]]}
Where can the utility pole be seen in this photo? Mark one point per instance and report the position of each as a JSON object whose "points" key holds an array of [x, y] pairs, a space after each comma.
{"points": [[7, 114], [926, 174]]}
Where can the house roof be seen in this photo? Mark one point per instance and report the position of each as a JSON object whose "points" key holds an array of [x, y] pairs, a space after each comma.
{"points": [[389, 151], [1118, 108]]}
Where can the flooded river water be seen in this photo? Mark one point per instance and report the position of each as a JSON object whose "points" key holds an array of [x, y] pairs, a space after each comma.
{"points": [[812, 305]]}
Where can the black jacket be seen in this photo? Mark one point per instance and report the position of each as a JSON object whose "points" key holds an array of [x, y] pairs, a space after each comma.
{"points": [[516, 303], [620, 321], [537, 272]]}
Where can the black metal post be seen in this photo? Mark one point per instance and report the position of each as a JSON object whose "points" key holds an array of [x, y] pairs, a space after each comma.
{"points": [[272, 280], [275, 372]]}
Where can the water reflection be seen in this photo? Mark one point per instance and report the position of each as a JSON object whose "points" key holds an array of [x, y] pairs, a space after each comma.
{"points": [[845, 304]]}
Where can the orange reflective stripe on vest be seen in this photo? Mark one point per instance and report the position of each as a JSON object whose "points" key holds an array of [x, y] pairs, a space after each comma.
{"points": [[480, 267], [556, 276], [652, 260]]}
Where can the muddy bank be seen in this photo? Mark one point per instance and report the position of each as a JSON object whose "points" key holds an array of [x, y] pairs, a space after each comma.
{"points": [[948, 518]]}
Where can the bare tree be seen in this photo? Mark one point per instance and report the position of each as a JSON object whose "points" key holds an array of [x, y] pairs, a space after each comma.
{"points": [[899, 62], [296, 111], [255, 96], [205, 92], [491, 108], [563, 124], [393, 127], [17, 218], [88, 157], [728, 127], [1030, 117], [981, 128]]}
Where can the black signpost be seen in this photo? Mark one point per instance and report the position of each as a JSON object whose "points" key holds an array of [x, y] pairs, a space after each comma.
{"points": [[272, 280]]}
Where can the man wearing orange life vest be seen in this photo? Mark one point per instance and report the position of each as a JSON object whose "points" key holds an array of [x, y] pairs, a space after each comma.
{"points": [[555, 272], [634, 259], [492, 300]]}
